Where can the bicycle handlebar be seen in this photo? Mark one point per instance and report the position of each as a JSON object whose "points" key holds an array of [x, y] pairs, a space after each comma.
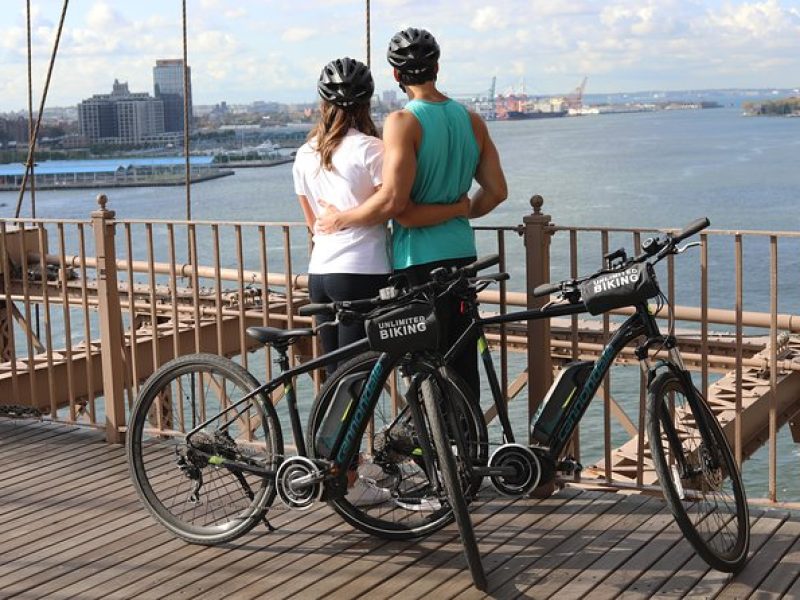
{"points": [[659, 247], [546, 289], [441, 278], [479, 265], [309, 310], [691, 229]]}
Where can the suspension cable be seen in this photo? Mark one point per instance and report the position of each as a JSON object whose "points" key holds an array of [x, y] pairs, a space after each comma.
{"points": [[368, 37], [186, 122], [30, 111], [32, 142]]}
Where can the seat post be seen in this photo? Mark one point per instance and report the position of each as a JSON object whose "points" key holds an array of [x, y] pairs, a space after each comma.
{"points": [[283, 356]]}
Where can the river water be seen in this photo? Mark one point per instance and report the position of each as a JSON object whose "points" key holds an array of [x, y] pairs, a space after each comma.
{"points": [[659, 169]]}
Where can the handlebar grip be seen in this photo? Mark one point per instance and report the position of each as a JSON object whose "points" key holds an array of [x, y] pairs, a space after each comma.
{"points": [[691, 229], [308, 310], [546, 289], [492, 277], [482, 263]]}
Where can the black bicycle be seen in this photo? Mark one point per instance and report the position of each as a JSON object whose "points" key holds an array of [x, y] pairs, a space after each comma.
{"points": [[206, 452], [690, 453]]}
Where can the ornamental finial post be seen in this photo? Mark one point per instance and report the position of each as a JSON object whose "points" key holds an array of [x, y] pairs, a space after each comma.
{"points": [[536, 203]]}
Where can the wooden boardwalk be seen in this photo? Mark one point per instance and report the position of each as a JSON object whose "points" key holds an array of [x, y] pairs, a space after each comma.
{"points": [[73, 528]]}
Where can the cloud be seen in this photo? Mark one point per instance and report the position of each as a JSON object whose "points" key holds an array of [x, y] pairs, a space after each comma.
{"points": [[102, 16], [756, 20], [235, 13], [244, 52], [488, 18], [298, 34]]}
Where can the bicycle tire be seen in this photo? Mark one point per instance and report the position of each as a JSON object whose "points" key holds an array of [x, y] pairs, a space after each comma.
{"points": [[406, 520], [432, 398], [185, 392], [719, 533]]}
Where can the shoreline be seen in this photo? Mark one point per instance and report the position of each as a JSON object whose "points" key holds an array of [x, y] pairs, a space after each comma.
{"points": [[94, 185], [254, 164]]}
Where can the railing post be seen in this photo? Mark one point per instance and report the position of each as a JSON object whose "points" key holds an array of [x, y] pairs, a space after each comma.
{"points": [[5, 330], [537, 267], [110, 321]]}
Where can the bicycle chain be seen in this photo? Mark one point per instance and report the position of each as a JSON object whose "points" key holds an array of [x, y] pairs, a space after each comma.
{"points": [[20, 412]]}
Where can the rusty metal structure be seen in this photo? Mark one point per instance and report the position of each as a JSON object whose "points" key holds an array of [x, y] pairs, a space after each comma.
{"points": [[117, 300]]}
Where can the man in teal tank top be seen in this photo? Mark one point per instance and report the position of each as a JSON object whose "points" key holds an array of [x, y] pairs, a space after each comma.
{"points": [[433, 149]]}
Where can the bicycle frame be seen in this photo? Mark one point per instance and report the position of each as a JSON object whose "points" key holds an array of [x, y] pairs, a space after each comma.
{"points": [[641, 323], [285, 378], [346, 446]]}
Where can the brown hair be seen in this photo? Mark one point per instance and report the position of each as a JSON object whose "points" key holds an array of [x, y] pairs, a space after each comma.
{"points": [[333, 124]]}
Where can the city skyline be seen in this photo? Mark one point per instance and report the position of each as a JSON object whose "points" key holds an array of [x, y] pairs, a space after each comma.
{"points": [[267, 50]]}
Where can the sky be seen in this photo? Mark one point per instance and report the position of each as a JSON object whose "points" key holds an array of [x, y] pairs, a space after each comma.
{"points": [[274, 49]]}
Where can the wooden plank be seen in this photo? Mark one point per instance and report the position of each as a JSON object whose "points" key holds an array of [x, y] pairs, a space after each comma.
{"points": [[13, 431], [319, 525], [597, 558], [697, 576], [250, 556], [149, 566], [360, 561], [782, 575], [530, 514], [511, 517], [574, 540], [642, 548], [364, 572], [150, 549], [190, 557], [52, 495], [41, 465], [511, 559], [762, 536], [679, 552], [764, 562], [98, 542]]}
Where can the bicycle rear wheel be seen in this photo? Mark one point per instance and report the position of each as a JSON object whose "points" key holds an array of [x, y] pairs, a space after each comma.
{"points": [[392, 497], [702, 485], [186, 485]]}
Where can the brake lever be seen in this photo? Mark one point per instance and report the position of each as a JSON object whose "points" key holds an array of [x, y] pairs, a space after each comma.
{"points": [[682, 249]]}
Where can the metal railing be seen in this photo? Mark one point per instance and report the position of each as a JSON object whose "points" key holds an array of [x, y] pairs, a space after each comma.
{"points": [[88, 309]]}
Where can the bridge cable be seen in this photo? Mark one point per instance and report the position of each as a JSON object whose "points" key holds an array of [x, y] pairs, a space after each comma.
{"points": [[30, 110], [32, 142]]}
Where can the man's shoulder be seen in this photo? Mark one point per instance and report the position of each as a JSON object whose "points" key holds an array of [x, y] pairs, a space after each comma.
{"points": [[401, 122], [400, 116]]}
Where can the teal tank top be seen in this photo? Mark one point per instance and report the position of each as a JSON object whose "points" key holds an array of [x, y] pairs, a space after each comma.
{"points": [[446, 162]]}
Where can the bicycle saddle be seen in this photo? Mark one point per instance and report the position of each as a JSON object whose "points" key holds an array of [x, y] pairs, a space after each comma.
{"points": [[277, 337]]}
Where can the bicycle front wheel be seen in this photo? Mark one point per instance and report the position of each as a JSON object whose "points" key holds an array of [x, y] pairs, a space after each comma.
{"points": [[698, 474], [451, 477], [389, 493], [193, 487]]}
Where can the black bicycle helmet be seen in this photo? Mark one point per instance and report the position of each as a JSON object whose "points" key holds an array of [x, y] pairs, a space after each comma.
{"points": [[414, 52], [346, 81]]}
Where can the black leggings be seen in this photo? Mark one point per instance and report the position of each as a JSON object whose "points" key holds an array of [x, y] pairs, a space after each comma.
{"points": [[451, 320], [336, 287]]}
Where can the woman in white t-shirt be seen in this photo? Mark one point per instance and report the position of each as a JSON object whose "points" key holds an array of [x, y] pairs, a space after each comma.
{"points": [[338, 169]]}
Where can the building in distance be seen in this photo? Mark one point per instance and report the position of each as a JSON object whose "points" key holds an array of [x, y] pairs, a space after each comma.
{"points": [[168, 87], [122, 117]]}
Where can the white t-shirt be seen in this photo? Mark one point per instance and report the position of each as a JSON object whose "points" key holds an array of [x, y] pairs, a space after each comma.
{"points": [[357, 168]]}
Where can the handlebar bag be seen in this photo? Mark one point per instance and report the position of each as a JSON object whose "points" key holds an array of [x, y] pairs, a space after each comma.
{"points": [[409, 328], [628, 286]]}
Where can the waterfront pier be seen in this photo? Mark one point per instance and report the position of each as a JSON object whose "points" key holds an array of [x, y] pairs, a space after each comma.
{"points": [[90, 308]]}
